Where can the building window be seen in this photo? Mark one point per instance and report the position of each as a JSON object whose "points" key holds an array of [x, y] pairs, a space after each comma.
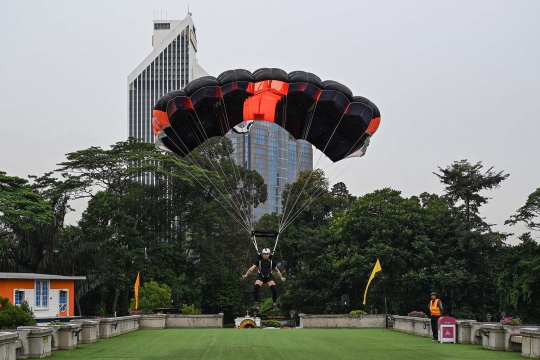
{"points": [[259, 160], [62, 301], [19, 297], [162, 26], [42, 293]]}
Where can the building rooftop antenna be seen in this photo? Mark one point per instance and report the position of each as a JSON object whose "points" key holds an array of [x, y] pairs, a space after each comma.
{"points": [[188, 11]]}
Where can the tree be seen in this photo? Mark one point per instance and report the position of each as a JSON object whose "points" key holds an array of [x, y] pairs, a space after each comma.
{"points": [[528, 213], [464, 182], [152, 296], [22, 212], [517, 270]]}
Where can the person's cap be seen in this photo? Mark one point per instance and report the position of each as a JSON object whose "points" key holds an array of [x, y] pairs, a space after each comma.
{"points": [[266, 251], [434, 293]]}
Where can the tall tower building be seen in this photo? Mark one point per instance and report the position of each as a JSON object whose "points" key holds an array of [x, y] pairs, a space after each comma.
{"points": [[170, 66], [271, 151]]}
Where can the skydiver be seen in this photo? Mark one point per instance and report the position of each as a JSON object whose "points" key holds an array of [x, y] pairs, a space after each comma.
{"points": [[265, 265]]}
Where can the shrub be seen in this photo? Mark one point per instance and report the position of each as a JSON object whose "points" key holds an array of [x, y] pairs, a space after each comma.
{"points": [[26, 308], [152, 296], [55, 322], [271, 323], [419, 314], [229, 326], [189, 310], [358, 312], [12, 316]]}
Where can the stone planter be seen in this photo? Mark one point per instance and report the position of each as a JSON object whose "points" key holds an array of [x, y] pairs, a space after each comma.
{"points": [[194, 321], [8, 346], [90, 330], [64, 337], [152, 322], [342, 321], [530, 346], [493, 336], [38, 341], [413, 325], [109, 327], [499, 337], [476, 335], [464, 331]]}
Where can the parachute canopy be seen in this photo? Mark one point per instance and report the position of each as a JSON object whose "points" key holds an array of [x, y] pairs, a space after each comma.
{"points": [[324, 113]]}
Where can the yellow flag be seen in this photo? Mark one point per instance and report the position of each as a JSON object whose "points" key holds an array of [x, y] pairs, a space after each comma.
{"points": [[376, 269], [137, 283]]}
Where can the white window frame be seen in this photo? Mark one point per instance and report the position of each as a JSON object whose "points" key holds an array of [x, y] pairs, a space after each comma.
{"points": [[15, 297], [60, 299], [39, 294]]}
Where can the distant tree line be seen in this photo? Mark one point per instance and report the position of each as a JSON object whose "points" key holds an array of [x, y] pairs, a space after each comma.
{"points": [[174, 232]]}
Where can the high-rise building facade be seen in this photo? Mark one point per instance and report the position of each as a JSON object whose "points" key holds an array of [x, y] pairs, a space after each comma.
{"points": [[271, 151], [170, 66]]}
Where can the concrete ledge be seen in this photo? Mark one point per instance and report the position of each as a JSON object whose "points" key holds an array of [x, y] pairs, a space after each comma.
{"points": [[8, 345], [342, 321], [90, 330], [38, 341], [530, 346], [413, 325], [152, 322], [194, 321], [109, 327]]}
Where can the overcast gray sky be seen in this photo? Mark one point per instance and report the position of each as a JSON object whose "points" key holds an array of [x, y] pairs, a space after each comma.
{"points": [[453, 79]]}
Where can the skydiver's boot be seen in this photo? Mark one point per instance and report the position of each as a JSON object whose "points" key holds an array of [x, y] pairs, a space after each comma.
{"points": [[275, 307], [255, 306]]}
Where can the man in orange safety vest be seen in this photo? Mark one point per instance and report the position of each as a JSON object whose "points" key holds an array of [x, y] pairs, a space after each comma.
{"points": [[436, 309]]}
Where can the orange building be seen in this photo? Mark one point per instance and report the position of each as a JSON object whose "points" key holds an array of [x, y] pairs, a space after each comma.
{"points": [[48, 295]]}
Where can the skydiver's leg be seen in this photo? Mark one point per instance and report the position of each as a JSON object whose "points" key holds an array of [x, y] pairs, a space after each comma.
{"points": [[272, 285], [256, 288]]}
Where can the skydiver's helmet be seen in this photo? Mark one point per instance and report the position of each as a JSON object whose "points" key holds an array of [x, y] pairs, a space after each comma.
{"points": [[266, 251]]}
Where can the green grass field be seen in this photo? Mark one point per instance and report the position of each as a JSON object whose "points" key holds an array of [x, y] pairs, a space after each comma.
{"points": [[276, 344]]}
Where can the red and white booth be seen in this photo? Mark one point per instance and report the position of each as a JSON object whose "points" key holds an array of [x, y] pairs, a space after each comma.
{"points": [[447, 329]]}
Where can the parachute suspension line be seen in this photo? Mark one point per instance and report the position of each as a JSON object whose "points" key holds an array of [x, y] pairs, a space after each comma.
{"points": [[245, 261], [302, 144], [282, 261], [224, 180], [314, 197], [243, 199], [197, 180], [320, 157], [254, 240], [197, 165], [276, 244]]}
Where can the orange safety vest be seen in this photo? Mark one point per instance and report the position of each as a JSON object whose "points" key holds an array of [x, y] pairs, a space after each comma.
{"points": [[434, 307]]}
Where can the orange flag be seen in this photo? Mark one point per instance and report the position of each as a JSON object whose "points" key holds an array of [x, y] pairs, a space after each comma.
{"points": [[137, 283]]}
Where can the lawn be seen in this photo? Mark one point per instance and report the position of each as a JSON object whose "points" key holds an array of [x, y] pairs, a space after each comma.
{"points": [[276, 344]]}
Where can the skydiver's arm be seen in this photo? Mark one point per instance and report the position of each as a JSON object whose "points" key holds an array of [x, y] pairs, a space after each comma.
{"points": [[249, 271], [279, 273]]}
